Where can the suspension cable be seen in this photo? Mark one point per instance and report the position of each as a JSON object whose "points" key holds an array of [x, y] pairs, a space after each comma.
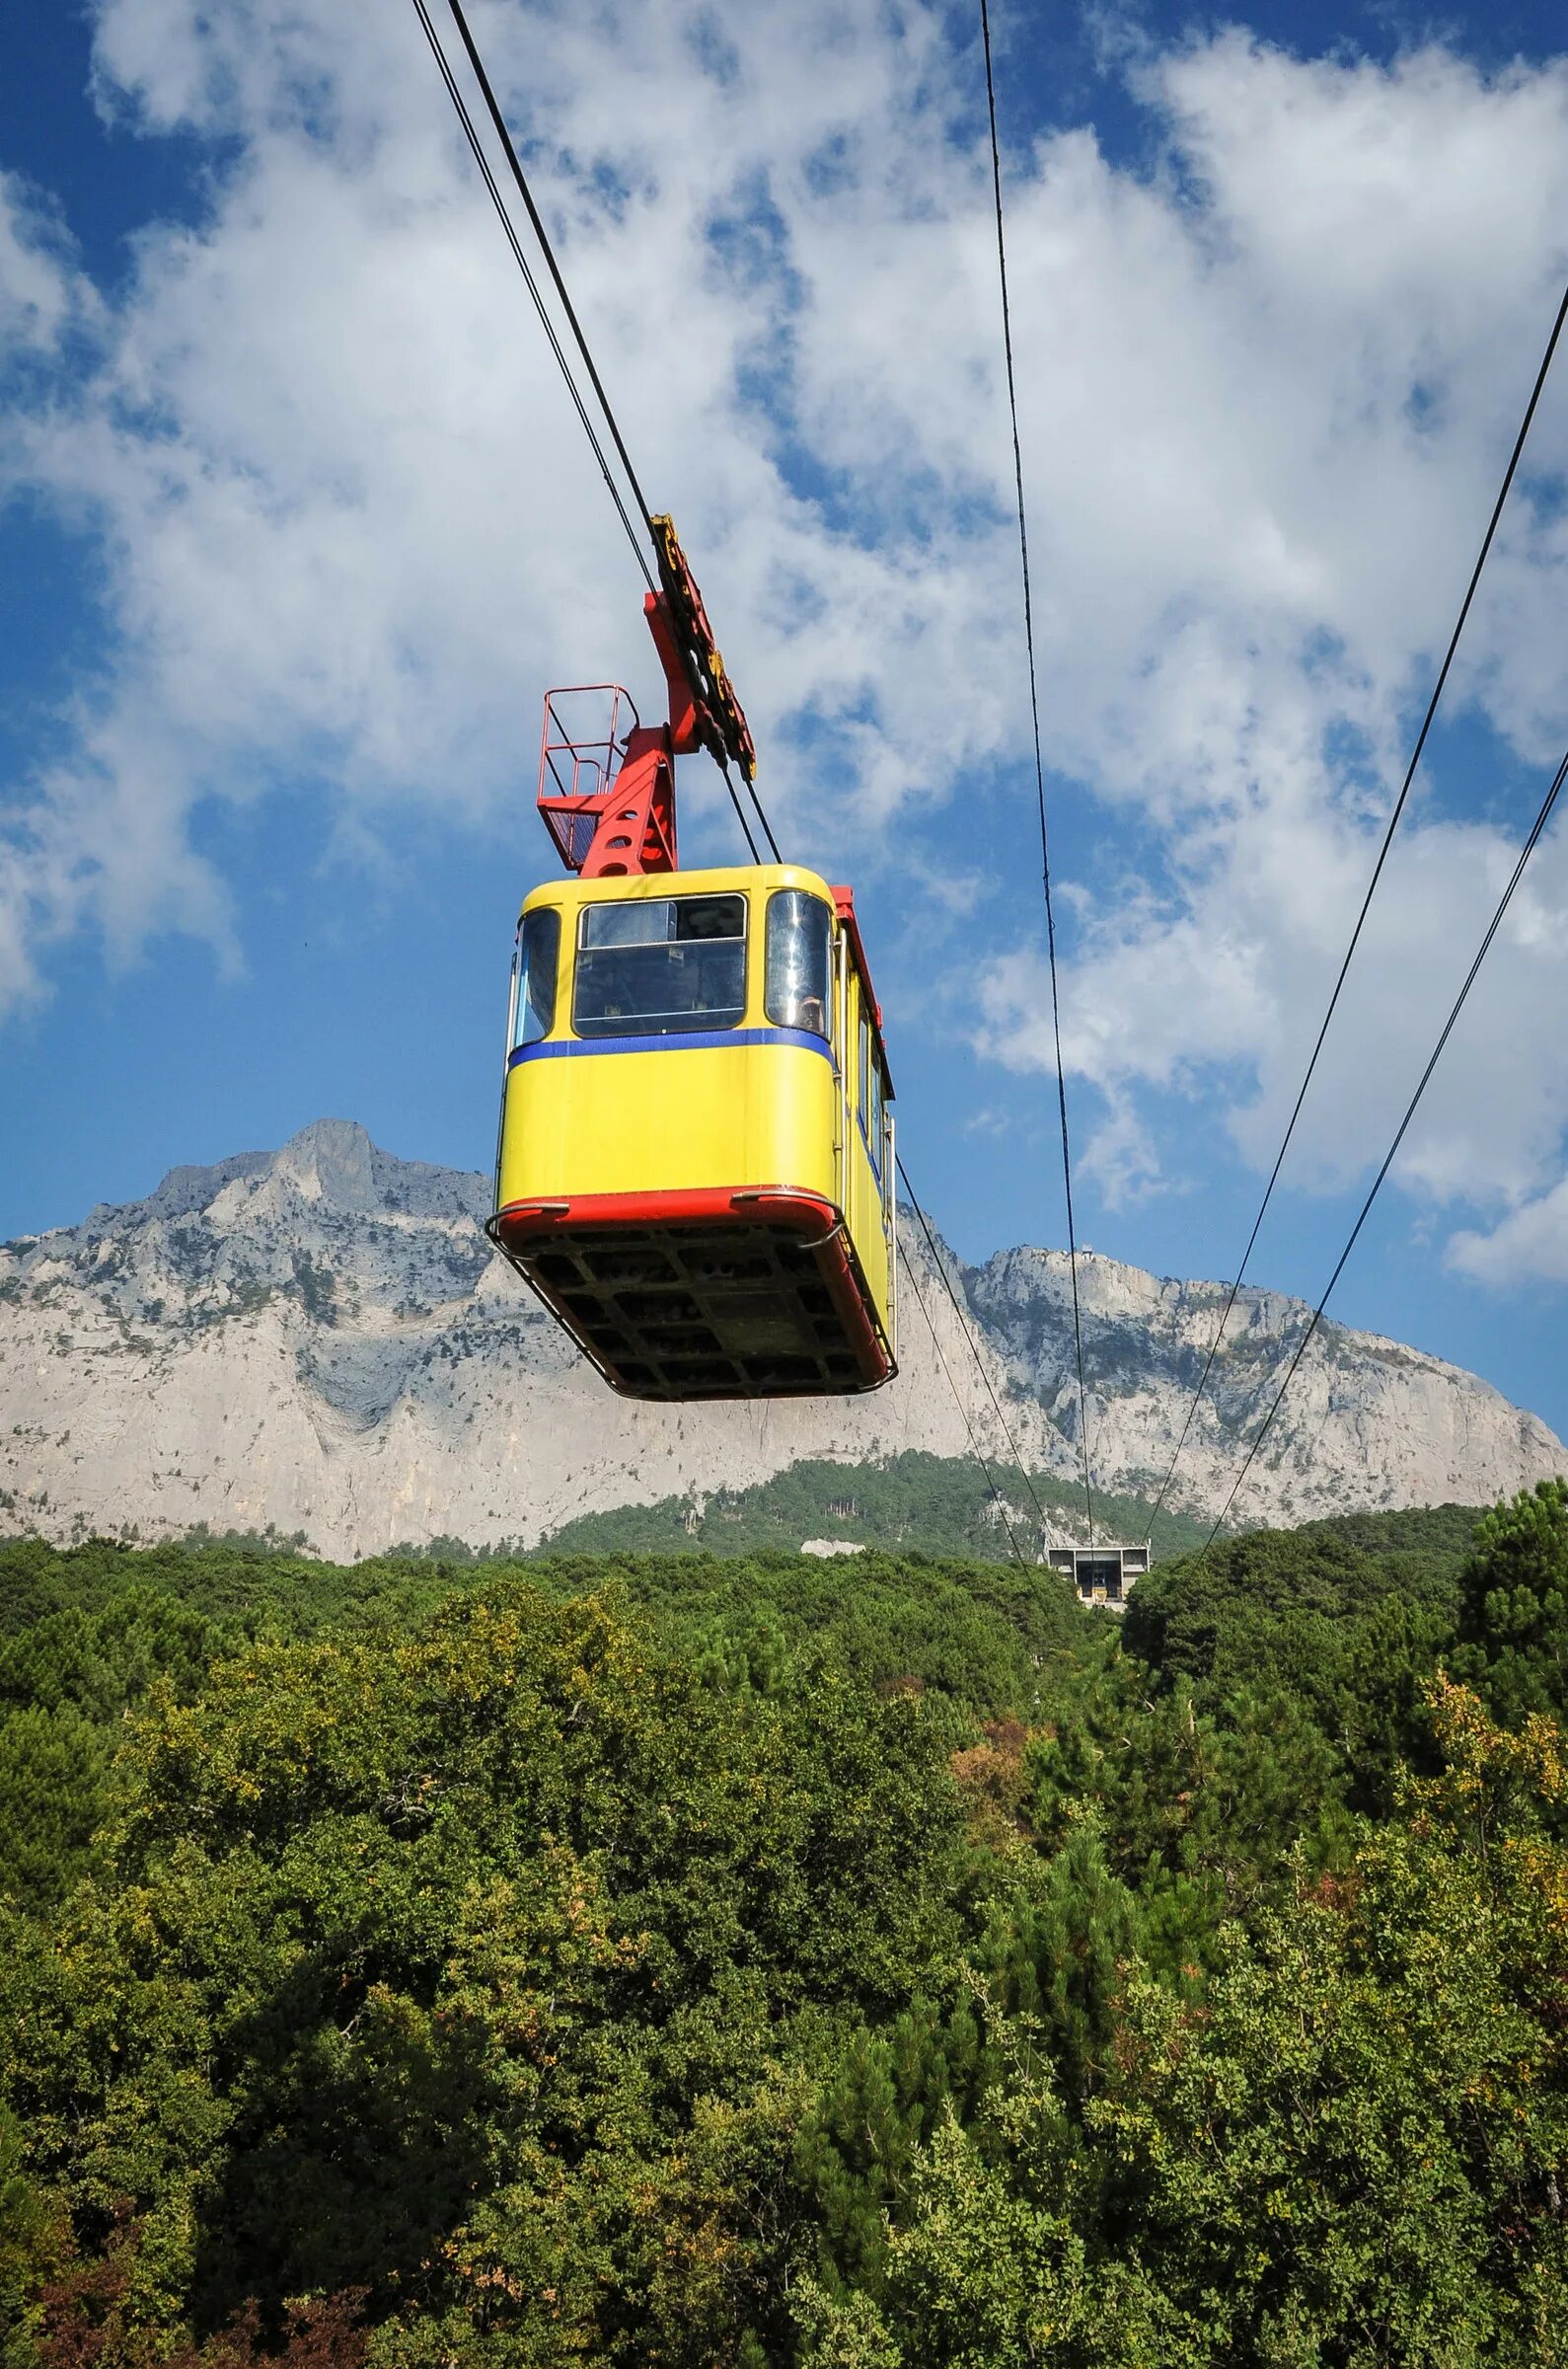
{"points": [[740, 813], [634, 537], [978, 1452], [966, 1326], [756, 799], [536, 220], [1377, 873], [532, 285], [1537, 827], [1039, 768]]}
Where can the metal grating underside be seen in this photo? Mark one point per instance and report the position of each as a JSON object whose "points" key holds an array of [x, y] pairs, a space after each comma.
{"points": [[572, 834], [698, 1312]]}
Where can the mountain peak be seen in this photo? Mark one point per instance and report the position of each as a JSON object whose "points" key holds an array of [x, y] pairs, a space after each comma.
{"points": [[332, 1165], [332, 1160]]}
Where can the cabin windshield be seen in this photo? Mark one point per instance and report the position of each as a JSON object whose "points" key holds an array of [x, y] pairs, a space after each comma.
{"points": [[538, 960], [799, 992], [660, 966]]}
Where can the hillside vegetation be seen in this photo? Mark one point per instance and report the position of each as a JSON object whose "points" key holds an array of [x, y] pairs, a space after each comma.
{"points": [[930, 1505], [761, 1960]]}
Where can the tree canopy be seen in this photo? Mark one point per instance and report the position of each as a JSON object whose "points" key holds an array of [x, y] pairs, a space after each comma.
{"points": [[684, 1960]]}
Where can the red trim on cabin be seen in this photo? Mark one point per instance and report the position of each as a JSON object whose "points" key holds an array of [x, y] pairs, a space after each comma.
{"points": [[844, 907], [707, 1203]]}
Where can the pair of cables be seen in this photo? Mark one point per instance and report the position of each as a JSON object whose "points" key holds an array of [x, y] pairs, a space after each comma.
{"points": [[1391, 827], [1541, 820], [1543, 817], [966, 1327], [639, 530]]}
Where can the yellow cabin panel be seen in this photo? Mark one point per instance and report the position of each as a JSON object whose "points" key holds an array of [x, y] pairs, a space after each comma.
{"points": [[669, 1121]]}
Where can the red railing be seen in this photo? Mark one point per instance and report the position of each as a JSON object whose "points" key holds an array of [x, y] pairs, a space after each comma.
{"points": [[580, 753]]}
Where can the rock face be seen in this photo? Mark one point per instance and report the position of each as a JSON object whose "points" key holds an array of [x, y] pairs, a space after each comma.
{"points": [[1367, 1423], [319, 1339]]}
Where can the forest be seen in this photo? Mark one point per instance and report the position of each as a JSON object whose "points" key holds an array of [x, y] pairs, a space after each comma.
{"points": [[937, 1504], [759, 1960]]}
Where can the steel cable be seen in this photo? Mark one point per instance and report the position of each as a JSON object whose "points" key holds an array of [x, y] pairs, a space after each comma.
{"points": [[1377, 873], [1039, 767], [978, 1452], [740, 813], [536, 220], [532, 285], [634, 537], [967, 1327], [1495, 923]]}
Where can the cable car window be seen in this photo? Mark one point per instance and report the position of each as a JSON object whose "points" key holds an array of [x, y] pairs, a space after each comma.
{"points": [[539, 952], [660, 966], [799, 990], [870, 1094]]}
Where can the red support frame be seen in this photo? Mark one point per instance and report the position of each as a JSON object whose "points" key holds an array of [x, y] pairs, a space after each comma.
{"points": [[623, 821], [617, 818]]}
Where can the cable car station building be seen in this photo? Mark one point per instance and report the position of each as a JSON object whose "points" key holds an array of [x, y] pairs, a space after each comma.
{"points": [[1102, 1575]]}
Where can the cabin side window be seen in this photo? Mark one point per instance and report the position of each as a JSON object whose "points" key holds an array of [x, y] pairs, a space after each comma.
{"points": [[870, 1096], [540, 961], [799, 978], [660, 966]]}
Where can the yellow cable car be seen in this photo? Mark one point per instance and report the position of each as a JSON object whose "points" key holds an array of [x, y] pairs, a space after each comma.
{"points": [[695, 1169]]}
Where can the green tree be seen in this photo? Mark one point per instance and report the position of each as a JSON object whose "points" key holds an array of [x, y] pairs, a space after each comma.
{"points": [[1349, 2151], [55, 1790], [35, 2246], [1513, 1608], [467, 1967]]}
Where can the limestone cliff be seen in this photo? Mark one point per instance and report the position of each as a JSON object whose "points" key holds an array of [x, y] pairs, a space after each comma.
{"points": [[319, 1339]]}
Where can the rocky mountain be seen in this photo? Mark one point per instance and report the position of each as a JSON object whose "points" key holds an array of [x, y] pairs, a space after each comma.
{"points": [[320, 1341]]}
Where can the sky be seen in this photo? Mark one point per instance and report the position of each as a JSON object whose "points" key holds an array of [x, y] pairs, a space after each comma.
{"points": [[297, 526]]}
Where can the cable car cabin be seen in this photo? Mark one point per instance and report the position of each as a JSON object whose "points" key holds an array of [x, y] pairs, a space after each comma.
{"points": [[695, 1162]]}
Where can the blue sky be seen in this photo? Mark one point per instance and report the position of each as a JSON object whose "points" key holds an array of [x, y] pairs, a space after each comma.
{"points": [[298, 530]]}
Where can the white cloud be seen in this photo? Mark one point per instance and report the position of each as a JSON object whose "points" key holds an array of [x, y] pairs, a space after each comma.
{"points": [[1529, 1245], [349, 527], [1328, 310], [350, 524], [38, 291]]}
